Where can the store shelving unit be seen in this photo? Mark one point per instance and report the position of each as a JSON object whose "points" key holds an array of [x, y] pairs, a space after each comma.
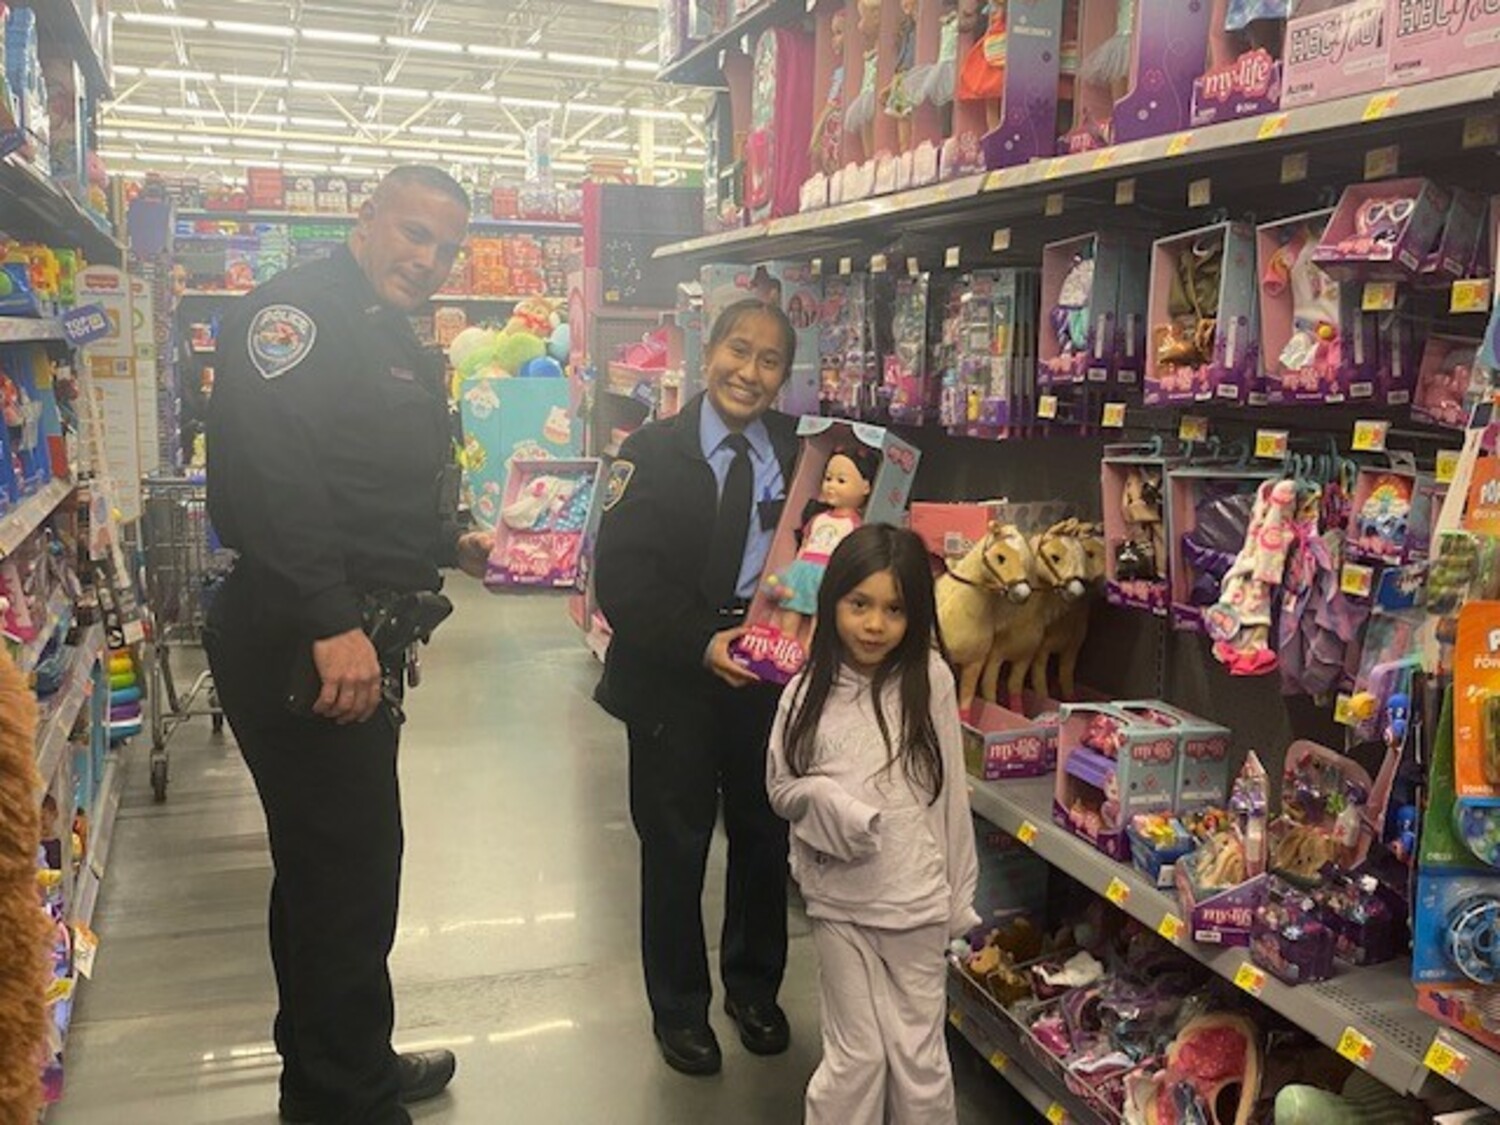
{"points": [[33, 207], [25, 330], [700, 65], [519, 226], [63, 709], [64, 22], [439, 298], [30, 514]]}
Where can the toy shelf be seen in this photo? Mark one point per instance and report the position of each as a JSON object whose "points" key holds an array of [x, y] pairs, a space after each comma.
{"points": [[104, 814], [27, 330], [439, 298], [66, 704], [1377, 1002], [33, 207], [523, 226], [1237, 155], [700, 65], [30, 513], [63, 22]]}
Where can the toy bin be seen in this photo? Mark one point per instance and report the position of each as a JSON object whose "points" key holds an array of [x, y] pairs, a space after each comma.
{"points": [[1000, 743]]}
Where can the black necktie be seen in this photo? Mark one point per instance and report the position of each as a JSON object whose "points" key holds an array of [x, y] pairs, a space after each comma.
{"points": [[726, 554]]}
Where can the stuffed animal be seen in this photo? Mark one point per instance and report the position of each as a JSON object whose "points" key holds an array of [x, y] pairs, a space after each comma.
{"points": [[1057, 567], [1365, 1101], [1068, 618], [977, 596]]}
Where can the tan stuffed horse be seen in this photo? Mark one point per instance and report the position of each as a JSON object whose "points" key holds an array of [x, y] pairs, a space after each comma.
{"points": [[1068, 628], [1056, 573], [979, 593]]}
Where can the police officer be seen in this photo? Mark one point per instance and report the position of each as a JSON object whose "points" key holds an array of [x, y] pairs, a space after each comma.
{"points": [[691, 508], [329, 446]]}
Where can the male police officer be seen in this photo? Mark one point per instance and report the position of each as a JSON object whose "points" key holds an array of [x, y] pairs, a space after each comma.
{"points": [[329, 446]]}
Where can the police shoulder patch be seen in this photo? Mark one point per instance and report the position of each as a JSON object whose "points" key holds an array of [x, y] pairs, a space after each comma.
{"points": [[617, 482], [280, 337]]}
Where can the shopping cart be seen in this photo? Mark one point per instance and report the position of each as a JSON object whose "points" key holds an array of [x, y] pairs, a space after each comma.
{"points": [[184, 565]]}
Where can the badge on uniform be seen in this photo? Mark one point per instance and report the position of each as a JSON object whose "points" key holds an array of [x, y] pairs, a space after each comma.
{"points": [[280, 338], [619, 480]]}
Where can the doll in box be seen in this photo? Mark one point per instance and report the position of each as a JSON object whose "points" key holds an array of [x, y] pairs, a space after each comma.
{"points": [[1109, 64], [900, 99], [1311, 358], [935, 84], [1142, 553], [1187, 340], [826, 148], [1261, 24], [847, 480], [860, 116], [982, 76]]}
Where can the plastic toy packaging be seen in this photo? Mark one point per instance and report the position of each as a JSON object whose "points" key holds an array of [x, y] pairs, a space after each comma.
{"points": [[1289, 937], [542, 522], [1381, 520], [906, 383], [1449, 382], [845, 349], [1324, 799]]}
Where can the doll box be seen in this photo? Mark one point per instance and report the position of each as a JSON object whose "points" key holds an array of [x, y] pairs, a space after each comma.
{"points": [[1200, 552], [1384, 231], [1245, 87], [1463, 234], [1133, 483], [1436, 40], [765, 650], [511, 419], [542, 525], [1082, 310], [1202, 776], [1336, 53], [1168, 50], [1000, 743], [1225, 916], [1446, 385], [1183, 300], [1381, 515], [1110, 767], [1033, 49]]}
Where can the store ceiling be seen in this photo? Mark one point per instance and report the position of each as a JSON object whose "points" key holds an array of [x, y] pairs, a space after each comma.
{"points": [[213, 85]]}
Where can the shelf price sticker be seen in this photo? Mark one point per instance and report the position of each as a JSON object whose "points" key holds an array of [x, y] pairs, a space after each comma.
{"points": [[913, 267], [1125, 192], [1250, 979], [1192, 428], [951, 257], [1447, 465], [85, 948], [1000, 240], [1201, 192], [1027, 833], [1118, 891], [1471, 295], [1272, 126], [1370, 435], [1270, 445], [1171, 928], [1104, 158], [1382, 162], [1056, 1114], [1357, 580], [1482, 130], [956, 1017], [816, 267], [1055, 167], [1294, 166], [1114, 415], [1378, 296], [1380, 105], [999, 1061], [1054, 205], [59, 989], [1357, 1048], [877, 263], [1445, 1059], [1046, 407], [1179, 144], [846, 266]]}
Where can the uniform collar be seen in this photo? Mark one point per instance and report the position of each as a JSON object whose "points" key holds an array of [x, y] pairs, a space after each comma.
{"points": [[712, 431], [361, 293]]}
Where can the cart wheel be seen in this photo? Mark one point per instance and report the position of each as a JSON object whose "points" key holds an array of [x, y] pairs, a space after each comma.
{"points": [[218, 721], [159, 778]]}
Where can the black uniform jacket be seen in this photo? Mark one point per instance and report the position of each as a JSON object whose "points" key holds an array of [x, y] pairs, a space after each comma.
{"points": [[652, 549], [329, 448]]}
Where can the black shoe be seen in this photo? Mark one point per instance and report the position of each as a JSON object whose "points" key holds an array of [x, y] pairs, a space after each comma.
{"points": [[690, 1050], [763, 1026], [425, 1074]]}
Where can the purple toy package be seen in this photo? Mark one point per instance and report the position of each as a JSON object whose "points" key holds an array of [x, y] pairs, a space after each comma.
{"points": [[1028, 125], [1170, 46]]}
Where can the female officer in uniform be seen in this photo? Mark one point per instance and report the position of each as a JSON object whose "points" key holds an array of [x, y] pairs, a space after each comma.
{"points": [[691, 509]]}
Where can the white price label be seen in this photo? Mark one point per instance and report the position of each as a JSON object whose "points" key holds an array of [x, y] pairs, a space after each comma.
{"points": [[1125, 192], [1000, 240]]}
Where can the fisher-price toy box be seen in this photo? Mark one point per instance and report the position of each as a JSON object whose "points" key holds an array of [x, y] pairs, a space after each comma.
{"points": [[1110, 767], [765, 649], [543, 522], [1440, 38], [1336, 53], [1000, 743]]}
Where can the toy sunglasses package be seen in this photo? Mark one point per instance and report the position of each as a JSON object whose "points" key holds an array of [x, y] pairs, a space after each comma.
{"points": [[1384, 231], [809, 530], [543, 520]]}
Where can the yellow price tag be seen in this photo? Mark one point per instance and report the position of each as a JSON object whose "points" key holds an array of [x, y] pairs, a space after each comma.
{"points": [[999, 1061], [1370, 435], [951, 257], [1046, 407], [58, 990], [1380, 105], [846, 266], [1054, 205], [1027, 833], [1471, 295], [1171, 927], [1482, 130], [1357, 1048], [1179, 144], [1382, 162], [1192, 428], [1343, 709], [1118, 892], [1104, 158], [1201, 192], [877, 263], [1125, 192], [1270, 445], [1250, 978], [1114, 415], [1056, 1113], [816, 267], [1445, 1059], [913, 267], [1272, 126], [1055, 167], [956, 1018], [1294, 167], [1447, 465], [1357, 580], [1000, 240], [1378, 296], [994, 181]]}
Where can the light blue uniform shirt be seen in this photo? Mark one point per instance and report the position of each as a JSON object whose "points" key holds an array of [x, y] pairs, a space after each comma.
{"points": [[766, 484]]}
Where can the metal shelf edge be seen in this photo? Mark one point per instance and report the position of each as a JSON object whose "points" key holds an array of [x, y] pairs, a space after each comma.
{"points": [[26, 330], [105, 813], [30, 514], [52, 736], [196, 214]]}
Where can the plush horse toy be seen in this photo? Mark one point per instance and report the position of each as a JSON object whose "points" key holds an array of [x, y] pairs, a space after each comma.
{"points": [[978, 595], [1068, 610]]}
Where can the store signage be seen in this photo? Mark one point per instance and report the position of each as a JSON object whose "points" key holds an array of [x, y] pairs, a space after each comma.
{"points": [[85, 324]]}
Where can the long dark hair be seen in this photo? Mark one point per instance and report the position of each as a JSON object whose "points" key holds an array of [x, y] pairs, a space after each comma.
{"points": [[728, 320], [869, 550]]}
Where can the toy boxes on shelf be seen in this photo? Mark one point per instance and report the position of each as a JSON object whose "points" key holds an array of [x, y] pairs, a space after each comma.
{"points": [[1334, 52], [1430, 41], [1209, 510], [1204, 318], [988, 385], [542, 523], [1449, 382], [1389, 517], [1243, 78], [1384, 231], [1013, 72], [1168, 51], [1111, 766], [847, 474], [1096, 318], [907, 393], [1136, 529], [776, 150], [1000, 743], [1220, 884], [846, 350]]}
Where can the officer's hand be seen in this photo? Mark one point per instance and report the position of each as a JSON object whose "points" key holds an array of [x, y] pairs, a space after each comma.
{"points": [[718, 661], [350, 672], [474, 552]]}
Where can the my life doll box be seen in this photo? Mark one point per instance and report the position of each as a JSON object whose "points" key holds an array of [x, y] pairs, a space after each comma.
{"points": [[1335, 53], [1110, 767], [1168, 50], [1384, 231], [1136, 532], [1204, 318], [542, 523], [1243, 77], [1203, 753], [1223, 882], [847, 474], [1000, 743]]}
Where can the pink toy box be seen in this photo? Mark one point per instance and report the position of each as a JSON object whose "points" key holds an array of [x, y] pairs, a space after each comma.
{"points": [[1384, 231], [1335, 53], [1136, 529], [1168, 51], [1439, 38], [776, 151], [1447, 387], [542, 525], [951, 530], [1242, 79], [1110, 767], [765, 649], [1000, 743]]}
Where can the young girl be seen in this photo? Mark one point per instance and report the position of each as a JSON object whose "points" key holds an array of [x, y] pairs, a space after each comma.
{"points": [[866, 762]]}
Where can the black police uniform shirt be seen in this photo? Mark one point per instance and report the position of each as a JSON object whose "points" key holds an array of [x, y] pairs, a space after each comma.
{"points": [[329, 446], [654, 539]]}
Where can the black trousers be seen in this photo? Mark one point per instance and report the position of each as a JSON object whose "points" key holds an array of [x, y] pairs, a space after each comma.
{"points": [[333, 815], [707, 741]]}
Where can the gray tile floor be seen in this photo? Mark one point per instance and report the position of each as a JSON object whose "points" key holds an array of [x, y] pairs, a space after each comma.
{"points": [[517, 945]]}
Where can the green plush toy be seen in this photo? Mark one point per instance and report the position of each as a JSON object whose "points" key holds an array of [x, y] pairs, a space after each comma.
{"points": [[1365, 1101], [514, 350]]}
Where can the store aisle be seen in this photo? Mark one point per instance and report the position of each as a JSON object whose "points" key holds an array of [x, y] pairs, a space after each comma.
{"points": [[517, 940]]}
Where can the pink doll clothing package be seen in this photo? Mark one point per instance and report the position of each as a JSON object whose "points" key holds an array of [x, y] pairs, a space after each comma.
{"points": [[1241, 621], [1311, 357]]}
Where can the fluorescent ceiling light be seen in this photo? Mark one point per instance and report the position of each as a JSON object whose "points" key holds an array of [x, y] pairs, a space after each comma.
{"points": [[325, 87], [641, 65], [211, 161], [411, 153], [530, 103], [440, 46], [659, 114], [522, 54], [606, 146], [127, 71], [182, 75], [356, 169], [463, 96], [499, 138], [362, 150], [571, 59], [298, 166], [649, 47], [160, 157], [154, 19], [191, 113], [261, 118], [137, 135], [270, 30], [318, 122], [410, 92], [132, 108], [562, 166], [315, 149], [590, 107], [255, 80], [434, 131], [329, 35], [195, 139], [255, 142], [115, 154]]}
